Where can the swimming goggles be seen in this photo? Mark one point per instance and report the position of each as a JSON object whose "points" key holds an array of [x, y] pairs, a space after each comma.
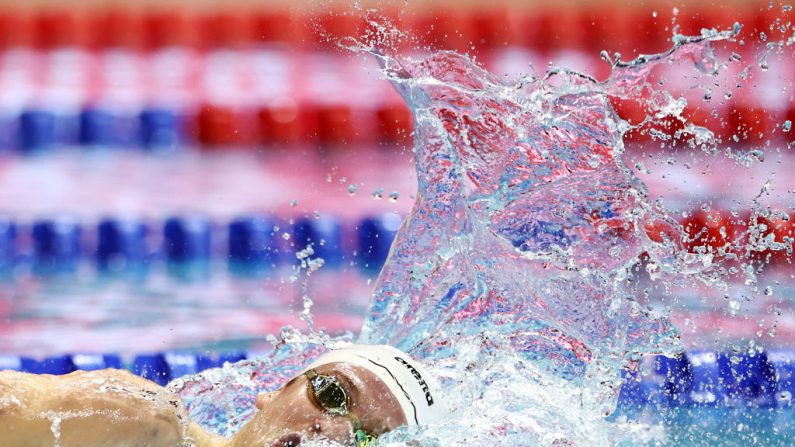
{"points": [[329, 394]]}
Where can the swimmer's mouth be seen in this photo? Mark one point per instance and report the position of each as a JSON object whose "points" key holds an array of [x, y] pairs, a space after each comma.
{"points": [[291, 440]]}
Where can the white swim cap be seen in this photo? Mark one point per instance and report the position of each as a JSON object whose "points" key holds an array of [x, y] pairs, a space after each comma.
{"points": [[414, 387]]}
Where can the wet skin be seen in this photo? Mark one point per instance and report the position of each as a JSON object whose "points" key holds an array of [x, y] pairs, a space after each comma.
{"points": [[115, 408], [88, 409], [290, 414]]}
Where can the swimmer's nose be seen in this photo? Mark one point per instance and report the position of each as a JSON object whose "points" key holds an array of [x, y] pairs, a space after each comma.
{"points": [[291, 440], [263, 399]]}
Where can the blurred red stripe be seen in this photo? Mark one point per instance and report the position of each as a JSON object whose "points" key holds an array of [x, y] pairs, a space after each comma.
{"points": [[63, 28], [628, 30], [173, 28], [17, 29], [120, 28]]}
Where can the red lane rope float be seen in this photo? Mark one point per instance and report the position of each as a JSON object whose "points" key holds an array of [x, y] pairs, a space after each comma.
{"points": [[626, 30]]}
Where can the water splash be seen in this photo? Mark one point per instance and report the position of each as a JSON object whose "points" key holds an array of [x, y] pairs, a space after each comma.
{"points": [[528, 222], [522, 272]]}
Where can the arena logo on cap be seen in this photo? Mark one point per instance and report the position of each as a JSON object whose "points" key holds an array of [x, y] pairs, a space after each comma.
{"points": [[420, 380]]}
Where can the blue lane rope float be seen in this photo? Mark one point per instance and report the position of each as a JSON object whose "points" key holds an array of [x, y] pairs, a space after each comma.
{"points": [[703, 379], [8, 242], [161, 129], [157, 367], [56, 245], [121, 244], [38, 130], [252, 243], [249, 243], [375, 235], [324, 234]]}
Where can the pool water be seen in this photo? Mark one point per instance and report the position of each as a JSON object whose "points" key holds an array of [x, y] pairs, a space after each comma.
{"points": [[710, 426], [222, 311]]}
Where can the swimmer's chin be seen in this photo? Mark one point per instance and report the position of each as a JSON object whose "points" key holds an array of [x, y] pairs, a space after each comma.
{"points": [[296, 440], [276, 438], [279, 438], [301, 439], [291, 440]]}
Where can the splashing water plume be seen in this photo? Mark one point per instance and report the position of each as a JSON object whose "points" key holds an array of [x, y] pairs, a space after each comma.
{"points": [[519, 275]]}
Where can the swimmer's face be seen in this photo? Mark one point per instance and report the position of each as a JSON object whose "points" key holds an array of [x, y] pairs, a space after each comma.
{"points": [[290, 414]]}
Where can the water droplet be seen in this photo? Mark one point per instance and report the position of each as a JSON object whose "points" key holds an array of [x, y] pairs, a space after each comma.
{"points": [[708, 95], [757, 154], [736, 28], [314, 265], [787, 125], [654, 13], [305, 253], [352, 189], [728, 95], [394, 196], [378, 194], [286, 236], [734, 307], [768, 291], [294, 203]]}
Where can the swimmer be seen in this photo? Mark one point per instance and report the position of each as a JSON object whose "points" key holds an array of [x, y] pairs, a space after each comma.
{"points": [[349, 396]]}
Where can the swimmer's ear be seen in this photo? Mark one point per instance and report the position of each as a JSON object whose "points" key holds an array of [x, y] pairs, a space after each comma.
{"points": [[262, 399]]}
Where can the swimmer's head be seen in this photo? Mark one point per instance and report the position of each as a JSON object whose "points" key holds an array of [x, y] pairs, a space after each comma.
{"points": [[408, 381], [347, 396]]}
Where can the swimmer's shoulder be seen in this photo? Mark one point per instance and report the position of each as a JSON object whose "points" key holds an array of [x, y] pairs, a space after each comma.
{"points": [[22, 390]]}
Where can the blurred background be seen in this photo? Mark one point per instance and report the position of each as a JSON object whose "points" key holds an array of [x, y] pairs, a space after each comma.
{"points": [[171, 173]]}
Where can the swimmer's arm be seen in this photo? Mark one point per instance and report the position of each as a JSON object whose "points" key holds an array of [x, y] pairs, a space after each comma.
{"points": [[106, 408]]}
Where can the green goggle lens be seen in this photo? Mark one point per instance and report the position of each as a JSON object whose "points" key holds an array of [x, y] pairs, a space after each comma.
{"points": [[328, 393]]}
